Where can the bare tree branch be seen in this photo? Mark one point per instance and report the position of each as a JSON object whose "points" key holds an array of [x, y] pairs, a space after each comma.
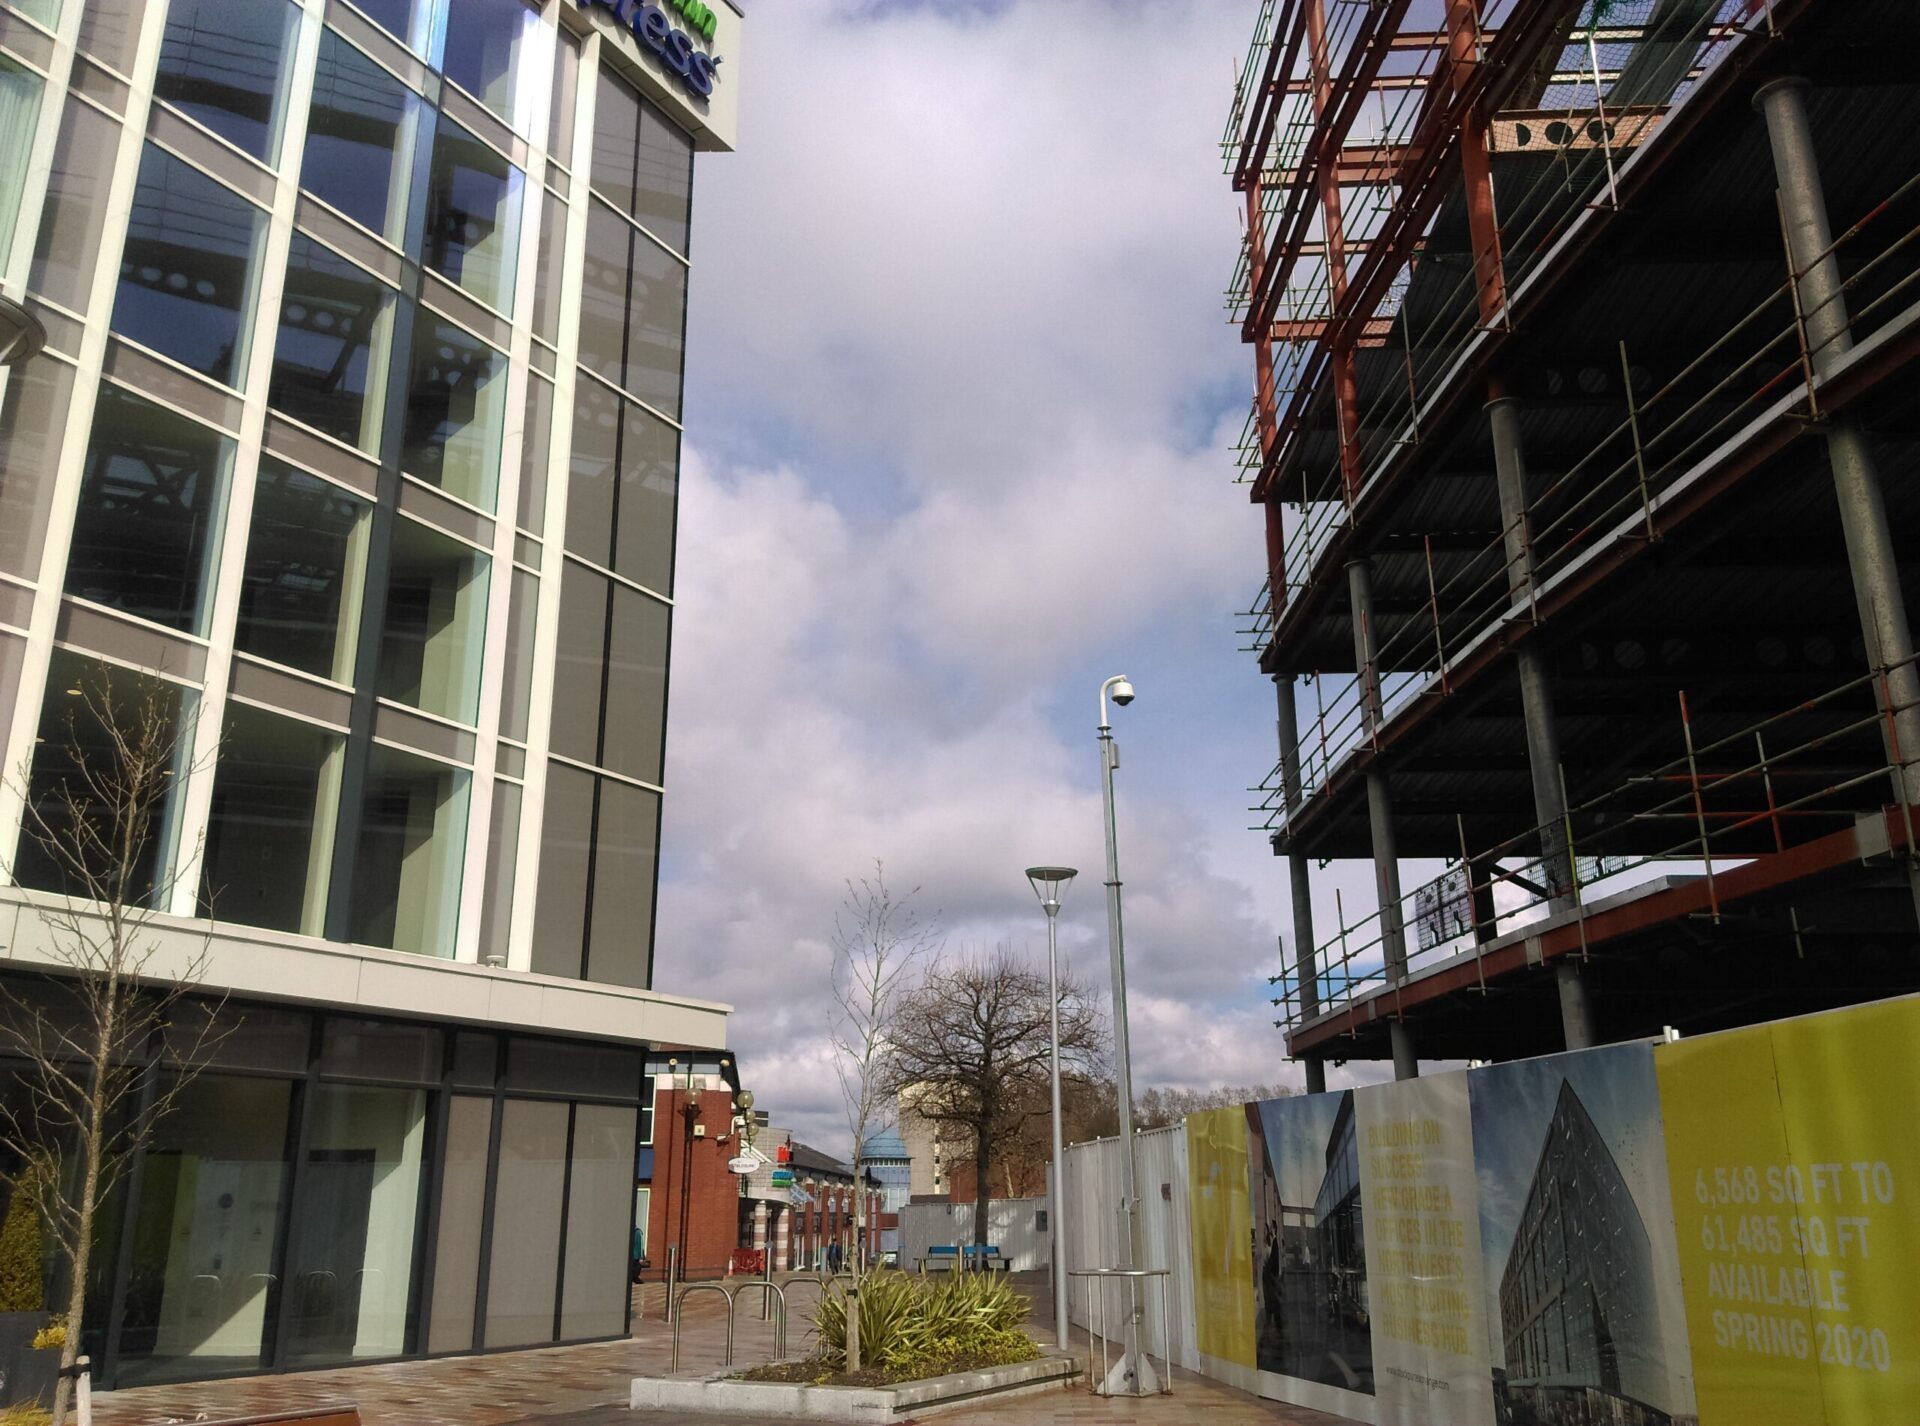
{"points": [[970, 1047], [104, 1058], [877, 940]]}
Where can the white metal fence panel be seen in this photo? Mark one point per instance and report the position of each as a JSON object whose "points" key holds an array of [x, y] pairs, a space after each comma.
{"points": [[1013, 1226], [1095, 1179]]}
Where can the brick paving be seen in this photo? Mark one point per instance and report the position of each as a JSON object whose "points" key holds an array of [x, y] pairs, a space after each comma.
{"points": [[585, 1386]]}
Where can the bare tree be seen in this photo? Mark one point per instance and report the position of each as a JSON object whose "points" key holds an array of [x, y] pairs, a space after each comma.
{"points": [[877, 939], [75, 1120], [1159, 1107], [972, 1041]]}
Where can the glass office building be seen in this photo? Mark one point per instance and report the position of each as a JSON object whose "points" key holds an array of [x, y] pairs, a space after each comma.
{"points": [[1579, 1308], [356, 435]]}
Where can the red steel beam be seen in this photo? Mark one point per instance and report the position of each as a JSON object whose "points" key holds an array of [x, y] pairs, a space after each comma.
{"points": [[1721, 83], [1438, 134], [1363, 63], [1757, 878]]}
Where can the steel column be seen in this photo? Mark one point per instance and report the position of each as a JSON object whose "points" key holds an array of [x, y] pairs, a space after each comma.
{"points": [[1856, 478], [1386, 865], [1536, 705], [1300, 887]]}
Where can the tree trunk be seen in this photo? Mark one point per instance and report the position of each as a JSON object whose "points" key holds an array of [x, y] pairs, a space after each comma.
{"points": [[982, 1189]]}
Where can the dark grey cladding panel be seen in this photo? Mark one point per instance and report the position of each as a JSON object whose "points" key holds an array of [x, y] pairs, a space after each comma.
{"points": [[424, 735], [202, 149], [301, 447], [171, 386], [423, 502], [19, 38], [16, 604], [108, 90], [99, 631], [262, 683]]}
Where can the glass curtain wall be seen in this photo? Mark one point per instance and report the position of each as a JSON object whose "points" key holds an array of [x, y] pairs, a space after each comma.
{"points": [[315, 1177]]}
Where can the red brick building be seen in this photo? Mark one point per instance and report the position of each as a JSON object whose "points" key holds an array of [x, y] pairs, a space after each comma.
{"points": [[693, 1202]]}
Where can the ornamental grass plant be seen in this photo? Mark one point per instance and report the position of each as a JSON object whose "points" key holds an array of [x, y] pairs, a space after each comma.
{"points": [[914, 1325]]}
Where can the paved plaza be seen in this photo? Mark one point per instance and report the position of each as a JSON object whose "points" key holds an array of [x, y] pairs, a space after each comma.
{"points": [[587, 1385]]}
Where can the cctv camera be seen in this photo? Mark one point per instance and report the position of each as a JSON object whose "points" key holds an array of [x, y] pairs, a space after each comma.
{"points": [[1123, 693]]}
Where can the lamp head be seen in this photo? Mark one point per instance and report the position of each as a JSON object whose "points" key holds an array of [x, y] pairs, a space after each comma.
{"points": [[1049, 882], [1123, 693]]}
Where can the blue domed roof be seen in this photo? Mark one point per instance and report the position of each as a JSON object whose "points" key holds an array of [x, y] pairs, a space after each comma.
{"points": [[885, 1145]]}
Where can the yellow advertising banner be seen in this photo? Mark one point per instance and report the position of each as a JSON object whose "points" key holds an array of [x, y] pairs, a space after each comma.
{"points": [[1222, 1235], [1795, 1172]]}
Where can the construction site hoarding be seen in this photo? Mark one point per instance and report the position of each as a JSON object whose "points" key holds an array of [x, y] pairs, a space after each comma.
{"points": [[1714, 1232]]}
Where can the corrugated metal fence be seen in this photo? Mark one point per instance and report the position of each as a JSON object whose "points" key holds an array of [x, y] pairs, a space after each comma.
{"points": [[1013, 1226], [1094, 1179]]}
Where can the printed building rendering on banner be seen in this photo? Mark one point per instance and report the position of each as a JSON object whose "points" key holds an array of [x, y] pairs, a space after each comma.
{"points": [[1312, 1315], [1714, 1232], [1577, 1236]]}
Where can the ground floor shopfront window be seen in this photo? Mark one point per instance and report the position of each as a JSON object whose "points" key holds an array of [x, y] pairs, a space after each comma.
{"points": [[326, 1178]]}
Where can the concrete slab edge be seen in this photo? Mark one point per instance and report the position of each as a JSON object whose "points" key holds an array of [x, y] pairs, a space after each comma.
{"points": [[802, 1402]]}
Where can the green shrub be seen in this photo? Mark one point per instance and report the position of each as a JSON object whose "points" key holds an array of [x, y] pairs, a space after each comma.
{"points": [[920, 1326], [21, 1285]]}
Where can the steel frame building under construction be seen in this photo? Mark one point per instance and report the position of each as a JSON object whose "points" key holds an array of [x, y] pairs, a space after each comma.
{"points": [[1585, 428]]}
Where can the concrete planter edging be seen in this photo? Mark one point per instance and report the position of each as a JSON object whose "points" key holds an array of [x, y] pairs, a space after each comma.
{"points": [[803, 1402]]}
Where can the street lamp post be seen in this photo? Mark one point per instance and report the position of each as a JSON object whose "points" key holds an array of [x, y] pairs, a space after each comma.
{"points": [[1048, 883], [1132, 1374]]}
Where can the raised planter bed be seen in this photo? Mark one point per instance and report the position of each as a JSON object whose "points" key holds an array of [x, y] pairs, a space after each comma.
{"points": [[803, 1402], [26, 1375]]}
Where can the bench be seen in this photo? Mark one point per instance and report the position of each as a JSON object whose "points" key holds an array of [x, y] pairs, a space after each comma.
{"points": [[953, 1257]]}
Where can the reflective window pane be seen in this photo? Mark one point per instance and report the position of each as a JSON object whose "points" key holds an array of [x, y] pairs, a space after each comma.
{"points": [[593, 467], [599, 1200], [503, 854], [473, 215], [456, 411], [333, 316], [151, 500], [406, 871], [603, 294], [203, 1232], [187, 278], [494, 49], [566, 93], [33, 422], [636, 688], [516, 694], [626, 839], [535, 452], [306, 558], [523, 1275], [110, 31], [566, 844], [404, 19], [381, 1049], [276, 790], [359, 138], [350, 1247], [74, 216], [19, 117], [580, 667], [656, 326], [663, 185], [616, 140], [548, 272], [649, 500], [78, 782], [436, 623], [225, 63], [463, 1205]]}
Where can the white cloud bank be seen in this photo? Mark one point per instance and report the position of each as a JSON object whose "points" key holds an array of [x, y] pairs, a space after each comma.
{"points": [[960, 403]]}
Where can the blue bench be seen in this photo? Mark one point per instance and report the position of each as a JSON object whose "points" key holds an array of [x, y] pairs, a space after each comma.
{"points": [[954, 1256]]}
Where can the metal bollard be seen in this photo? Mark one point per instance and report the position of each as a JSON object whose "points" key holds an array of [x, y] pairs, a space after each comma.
{"points": [[853, 1329], [766, 1276], [673, 1262]]}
